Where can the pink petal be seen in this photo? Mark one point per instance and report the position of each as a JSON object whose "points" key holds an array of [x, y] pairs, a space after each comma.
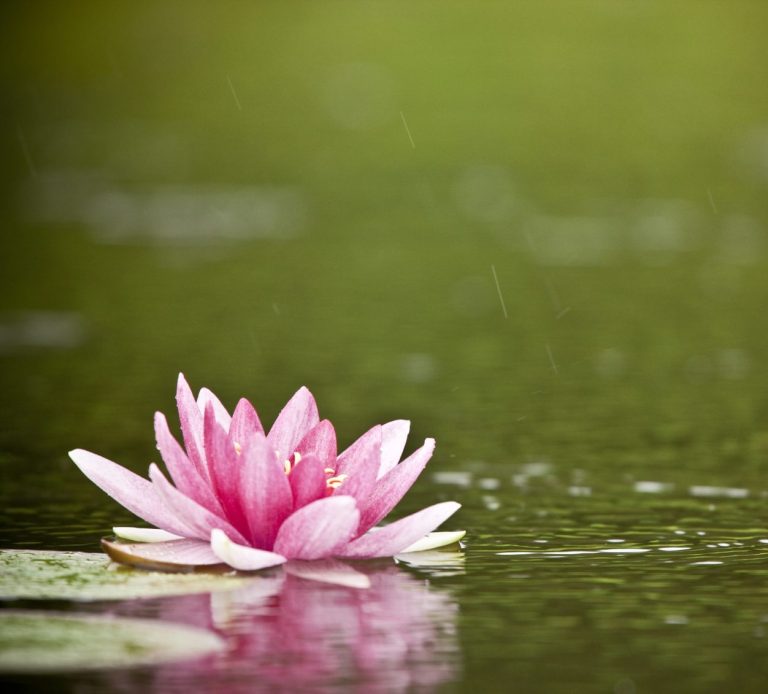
{"points": [[328, 571], [318, 530], [183, 473], [199, 520], [129, 490], [321, 441], [392, 487], [307, 481], [191, 426], [393, 437], [204, 397], [395, 537], [242, 557], [293, 422], [245, 423], [359, 451], [265, 492], [224, 468], [361, 464], [180, 553]]}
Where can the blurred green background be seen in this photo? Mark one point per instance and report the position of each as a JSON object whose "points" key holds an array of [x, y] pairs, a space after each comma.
{"points": [[537, 229]]}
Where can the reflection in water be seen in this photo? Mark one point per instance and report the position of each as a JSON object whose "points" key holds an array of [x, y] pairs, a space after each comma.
{"points": [[713, 491], [285, 633], [661, 597], [438, 562], [540, 475]]}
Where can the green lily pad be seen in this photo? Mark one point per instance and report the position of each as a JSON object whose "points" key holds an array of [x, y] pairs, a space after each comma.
{"points": [[83, 576], [40, 642]]}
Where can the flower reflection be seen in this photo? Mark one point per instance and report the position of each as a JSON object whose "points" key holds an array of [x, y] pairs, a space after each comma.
{"points": [[285, 633], [390, 635]]}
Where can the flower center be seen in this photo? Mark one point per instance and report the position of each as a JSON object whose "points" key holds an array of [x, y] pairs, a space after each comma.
{"points": [[332, 482], [335, 482], [291, 462]]}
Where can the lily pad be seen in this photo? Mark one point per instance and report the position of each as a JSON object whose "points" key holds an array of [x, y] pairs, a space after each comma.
{"points": [[40, 642], [83, 576]]}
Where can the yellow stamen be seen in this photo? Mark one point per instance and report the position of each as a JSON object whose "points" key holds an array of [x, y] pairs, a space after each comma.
{"points": [[335, 482], [291, 462], [238, 448], [329, 471]]}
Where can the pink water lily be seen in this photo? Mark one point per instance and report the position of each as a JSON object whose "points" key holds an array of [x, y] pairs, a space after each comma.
{"points": [[252, 499]]}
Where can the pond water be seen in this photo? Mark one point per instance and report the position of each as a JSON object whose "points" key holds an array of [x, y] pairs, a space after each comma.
{"points": [[536, 230]]}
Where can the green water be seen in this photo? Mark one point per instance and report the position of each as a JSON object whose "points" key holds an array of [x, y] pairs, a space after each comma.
{"points": [[537, 230]]}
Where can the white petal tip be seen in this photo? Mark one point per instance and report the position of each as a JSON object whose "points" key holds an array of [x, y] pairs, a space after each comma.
{"points": [[83, 458], [435, 540], [154, 471], [241, 557], [145, 534]]}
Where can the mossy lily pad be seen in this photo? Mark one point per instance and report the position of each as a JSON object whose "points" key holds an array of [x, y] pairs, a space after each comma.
{"points": [[82, 576], [40, 642]]}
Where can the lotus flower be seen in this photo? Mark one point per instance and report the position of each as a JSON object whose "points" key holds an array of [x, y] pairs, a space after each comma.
{"points": [[254, 500]]}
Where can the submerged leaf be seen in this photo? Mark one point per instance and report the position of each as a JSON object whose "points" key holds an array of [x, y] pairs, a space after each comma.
{"points": [[38, 642]]}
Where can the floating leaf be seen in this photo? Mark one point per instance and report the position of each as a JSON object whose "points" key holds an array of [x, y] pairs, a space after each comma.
{"points": [[174, 556], [39, 642], [34, 574]]}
